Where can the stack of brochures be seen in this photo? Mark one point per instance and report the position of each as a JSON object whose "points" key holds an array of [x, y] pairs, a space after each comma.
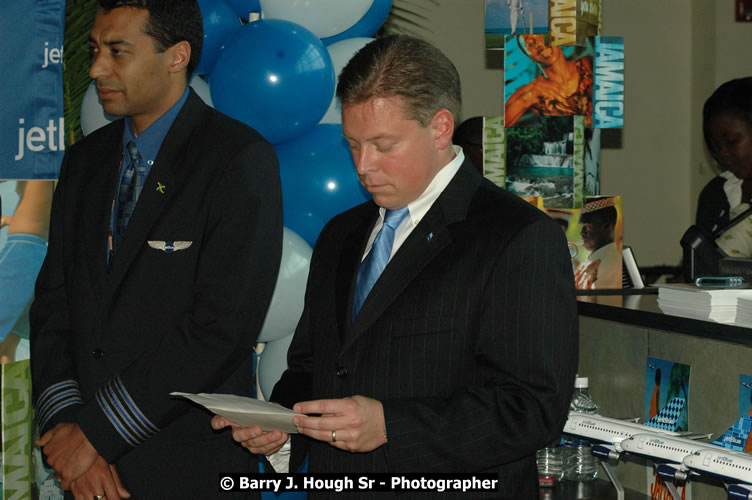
{"points": [[744, 312], [705, 303]]}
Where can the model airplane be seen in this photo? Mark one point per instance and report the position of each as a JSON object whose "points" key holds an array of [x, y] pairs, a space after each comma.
{"points": [[609, 433], [676, 455], [733, 467], [669, 451]]}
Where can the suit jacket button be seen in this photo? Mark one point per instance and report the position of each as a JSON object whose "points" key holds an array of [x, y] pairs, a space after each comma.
{"points": [[97, 353], [341, 371]]}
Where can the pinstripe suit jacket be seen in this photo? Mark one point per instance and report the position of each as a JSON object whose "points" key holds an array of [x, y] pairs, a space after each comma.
{"points": [[108, 348], [469, 338]]}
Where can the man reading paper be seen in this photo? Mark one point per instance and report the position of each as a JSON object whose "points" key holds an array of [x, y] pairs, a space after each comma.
{"points": [[439, 332]]}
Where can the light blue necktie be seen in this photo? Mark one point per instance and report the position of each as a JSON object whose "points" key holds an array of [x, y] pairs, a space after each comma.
{"points": [[376, 260], [130, 188]]}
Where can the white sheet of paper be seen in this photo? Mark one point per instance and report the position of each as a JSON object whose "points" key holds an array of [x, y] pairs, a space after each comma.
{"points": [[245, 411]]}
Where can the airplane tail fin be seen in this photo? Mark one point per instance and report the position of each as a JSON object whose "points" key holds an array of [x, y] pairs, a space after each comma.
{"points": [[668, 418], [735, 438]]}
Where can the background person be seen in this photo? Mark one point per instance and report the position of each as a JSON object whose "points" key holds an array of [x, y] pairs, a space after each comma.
{"points": [[171, 298], [462, 356], [469, 136], [515, 11], [727, 128], [603, 266]]}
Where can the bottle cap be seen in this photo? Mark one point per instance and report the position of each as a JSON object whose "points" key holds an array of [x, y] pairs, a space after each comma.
{"points": [[581, 383]]}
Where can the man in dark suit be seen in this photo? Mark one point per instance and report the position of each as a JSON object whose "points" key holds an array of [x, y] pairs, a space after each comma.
{"points": [[178, 300], [463, 354]]}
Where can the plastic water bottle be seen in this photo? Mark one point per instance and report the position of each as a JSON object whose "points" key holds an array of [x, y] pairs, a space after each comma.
{"points": [[579, 462], [550, 462]]}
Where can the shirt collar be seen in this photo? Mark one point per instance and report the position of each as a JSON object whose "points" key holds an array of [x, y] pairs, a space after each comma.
{"points": [[732, 188], [598, 252], [150, 140], [420, 206]]}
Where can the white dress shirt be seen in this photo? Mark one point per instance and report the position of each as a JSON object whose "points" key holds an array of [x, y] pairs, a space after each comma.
{"points": [[420, 206]]}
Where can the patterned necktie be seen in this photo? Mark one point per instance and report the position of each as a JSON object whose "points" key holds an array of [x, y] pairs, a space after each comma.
{"points": [[130, 188], [376, 260]]}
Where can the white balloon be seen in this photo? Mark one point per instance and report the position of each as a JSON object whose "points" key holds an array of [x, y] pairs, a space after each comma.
{"points": [[287, 302], [323, 18], [272, 363], [94, 117], [201, 87], [341, 52]]}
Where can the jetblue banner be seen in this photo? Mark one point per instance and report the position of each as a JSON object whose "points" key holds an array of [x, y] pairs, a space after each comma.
{"points": [[31, 88]]}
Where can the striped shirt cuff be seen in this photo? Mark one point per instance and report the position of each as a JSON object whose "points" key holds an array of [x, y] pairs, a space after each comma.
{"points": [[55, 398], [127, 418]]}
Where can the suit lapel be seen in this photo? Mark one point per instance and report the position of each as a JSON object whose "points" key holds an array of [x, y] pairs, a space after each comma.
{"points": [[429, 237], [160, 185], [414, 254], [348, 265], [100, 188]]}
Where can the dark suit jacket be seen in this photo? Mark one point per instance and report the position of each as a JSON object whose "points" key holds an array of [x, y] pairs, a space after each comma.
{"points": [[160, 321], [469, 338]]}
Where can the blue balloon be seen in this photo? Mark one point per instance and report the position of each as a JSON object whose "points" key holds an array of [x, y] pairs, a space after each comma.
{"points": [[318, 180], [220, 21], [368, 24], [243, 7], [275, 76]]}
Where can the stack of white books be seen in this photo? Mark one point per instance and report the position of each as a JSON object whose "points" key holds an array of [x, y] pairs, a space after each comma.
{"points": [[705, 303]]}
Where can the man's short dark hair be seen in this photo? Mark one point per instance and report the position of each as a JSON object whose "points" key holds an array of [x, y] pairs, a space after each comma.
{"points": [[604, 216], [405, 67], [170, 22]]}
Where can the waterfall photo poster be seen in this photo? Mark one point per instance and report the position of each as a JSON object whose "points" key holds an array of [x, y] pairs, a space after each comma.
{"points": [[548, 161]]}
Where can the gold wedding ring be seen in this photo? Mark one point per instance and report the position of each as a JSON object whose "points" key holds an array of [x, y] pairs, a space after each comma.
{"points": [[334, 436]]}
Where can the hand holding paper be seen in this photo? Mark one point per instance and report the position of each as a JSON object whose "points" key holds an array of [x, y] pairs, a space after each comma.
{"points": [[254, 439], [354, 424], [245, 411]]}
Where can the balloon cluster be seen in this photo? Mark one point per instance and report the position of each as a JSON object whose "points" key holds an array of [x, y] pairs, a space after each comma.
{"points": [[278, 75], [272, 64]]}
